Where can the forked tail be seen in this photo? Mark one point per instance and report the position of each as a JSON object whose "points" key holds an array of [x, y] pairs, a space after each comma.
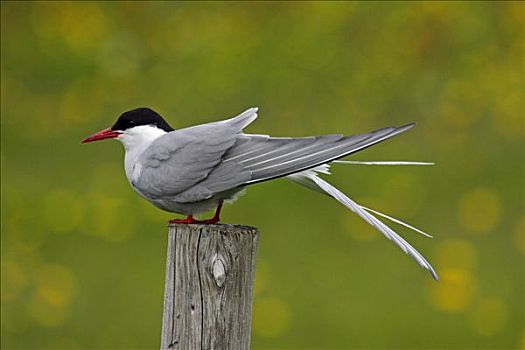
{"points": [[311, 180]]}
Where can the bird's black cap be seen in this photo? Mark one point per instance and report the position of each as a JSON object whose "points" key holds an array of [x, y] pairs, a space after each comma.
{"points": [[141, 116]]}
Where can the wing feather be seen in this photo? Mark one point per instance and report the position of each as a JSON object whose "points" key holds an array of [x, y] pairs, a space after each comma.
{"points": [[176, 163], [294, 157], [256, 158]]}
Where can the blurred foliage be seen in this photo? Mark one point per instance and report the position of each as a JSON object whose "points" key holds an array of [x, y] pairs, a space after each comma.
{"points": [[83, 256]]}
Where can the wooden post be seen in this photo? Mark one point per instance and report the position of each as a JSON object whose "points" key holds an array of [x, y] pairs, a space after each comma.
{"points": [[208, 291]]}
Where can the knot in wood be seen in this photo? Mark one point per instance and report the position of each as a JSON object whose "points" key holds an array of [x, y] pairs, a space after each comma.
{"points": [[218, 270]]}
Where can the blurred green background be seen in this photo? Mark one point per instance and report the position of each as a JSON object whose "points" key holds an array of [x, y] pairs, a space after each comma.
{"points": [[83, 256]]}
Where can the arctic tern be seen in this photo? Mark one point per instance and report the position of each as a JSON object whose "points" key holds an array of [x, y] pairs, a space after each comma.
{"points": [[192, 170]]}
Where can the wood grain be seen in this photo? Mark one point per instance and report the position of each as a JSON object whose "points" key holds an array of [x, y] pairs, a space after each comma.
{"points": [[208, 292]]}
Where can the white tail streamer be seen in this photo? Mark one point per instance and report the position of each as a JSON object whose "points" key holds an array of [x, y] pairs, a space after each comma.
{"points": [[310, 180], [397, 221]]}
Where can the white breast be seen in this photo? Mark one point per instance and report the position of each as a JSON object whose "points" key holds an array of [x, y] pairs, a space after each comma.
{"points": [[136, 140]]}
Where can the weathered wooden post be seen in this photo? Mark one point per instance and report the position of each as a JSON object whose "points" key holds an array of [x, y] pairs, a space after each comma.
{"points": [[208, 292]]}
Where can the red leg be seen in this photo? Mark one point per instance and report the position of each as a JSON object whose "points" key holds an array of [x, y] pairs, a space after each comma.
{"points": [[188, 220], [215, 219]]}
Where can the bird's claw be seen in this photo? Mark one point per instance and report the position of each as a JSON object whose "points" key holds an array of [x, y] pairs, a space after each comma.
{"points": [[191, 220], [188, 220]]}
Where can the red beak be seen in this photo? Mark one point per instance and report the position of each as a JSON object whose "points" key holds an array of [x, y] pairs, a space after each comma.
{"points": [[101, 135]]}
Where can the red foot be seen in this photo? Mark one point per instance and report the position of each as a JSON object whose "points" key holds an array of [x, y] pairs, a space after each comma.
{"points": [[188, 220]]}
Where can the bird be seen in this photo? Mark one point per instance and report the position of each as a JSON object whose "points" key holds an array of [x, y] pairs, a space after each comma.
{"points": [[196, 169]]}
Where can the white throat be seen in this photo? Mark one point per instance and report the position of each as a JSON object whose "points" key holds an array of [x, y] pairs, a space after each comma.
{"points": [[136, 140]]}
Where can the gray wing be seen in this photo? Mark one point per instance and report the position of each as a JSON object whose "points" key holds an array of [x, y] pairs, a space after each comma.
{"points": [[300, 154], [256, 158], [175, 164], [193, 164]]}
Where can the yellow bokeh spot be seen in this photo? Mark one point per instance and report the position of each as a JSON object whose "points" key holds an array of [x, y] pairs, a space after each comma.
{"points": [[456, 253], [519, 234], [63, 210], [489, 316], [54, 284], [454, 292], [271, 317], [480, 210], [14, 280]]}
